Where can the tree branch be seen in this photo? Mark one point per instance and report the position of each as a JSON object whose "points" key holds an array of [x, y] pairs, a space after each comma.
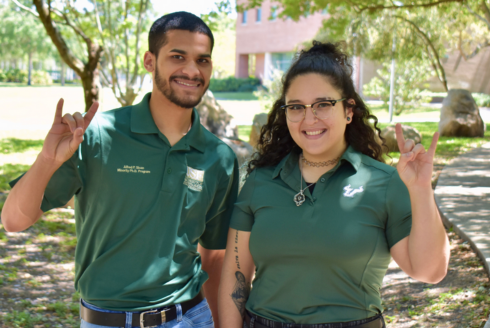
{"points": [[416, 5], [21, 6], [429, 44], [477, 16], [486, 10], [73, 62], [143, 7]]}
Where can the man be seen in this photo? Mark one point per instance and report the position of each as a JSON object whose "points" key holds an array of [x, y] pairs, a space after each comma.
{"points": [[150, 184]]}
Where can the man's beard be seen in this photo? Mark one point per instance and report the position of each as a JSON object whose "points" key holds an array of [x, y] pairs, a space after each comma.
{"points": [[167, 91]]}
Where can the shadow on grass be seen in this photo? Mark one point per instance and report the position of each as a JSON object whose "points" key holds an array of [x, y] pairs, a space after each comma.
{"points": [[8, 172], [13, 145]]}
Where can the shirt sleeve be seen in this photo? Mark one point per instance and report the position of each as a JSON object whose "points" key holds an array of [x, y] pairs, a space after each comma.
{"points": [[64, 183], [219, 214], [399, 222], [243, 218]]}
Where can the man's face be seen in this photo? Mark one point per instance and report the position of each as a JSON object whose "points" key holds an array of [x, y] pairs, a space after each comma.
{"points": [[183, 67]]}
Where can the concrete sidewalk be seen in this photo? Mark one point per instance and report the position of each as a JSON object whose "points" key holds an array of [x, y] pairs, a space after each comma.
{"points": [[463, 196]]}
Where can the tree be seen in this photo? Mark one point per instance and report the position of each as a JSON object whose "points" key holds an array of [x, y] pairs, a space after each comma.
{"points": [[223, 28], [459, 24], [21, 36], [112, 44]]}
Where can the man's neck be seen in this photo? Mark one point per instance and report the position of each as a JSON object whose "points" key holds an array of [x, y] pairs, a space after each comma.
{"points": [[172, 121]]}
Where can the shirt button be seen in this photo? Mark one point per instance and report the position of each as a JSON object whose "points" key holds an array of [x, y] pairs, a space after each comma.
{"points": [[314, 198], [322, 180], [169, 171]]}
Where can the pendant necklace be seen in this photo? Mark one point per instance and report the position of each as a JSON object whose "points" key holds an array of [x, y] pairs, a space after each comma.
{"points": [[300, 198]]}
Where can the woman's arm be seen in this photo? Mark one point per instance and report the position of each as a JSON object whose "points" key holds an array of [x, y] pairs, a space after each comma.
{"points": [[236, 279], [424, 254]]}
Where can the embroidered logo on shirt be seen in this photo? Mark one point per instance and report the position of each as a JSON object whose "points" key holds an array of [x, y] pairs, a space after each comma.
{"points": [[194, 179], [133, 169], [349, 192]]}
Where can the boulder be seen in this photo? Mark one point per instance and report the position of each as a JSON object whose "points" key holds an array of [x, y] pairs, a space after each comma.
{"points": [[259, 121], [218, 121], [389, 135], [242, 149], [215, 118], [460, 116]]}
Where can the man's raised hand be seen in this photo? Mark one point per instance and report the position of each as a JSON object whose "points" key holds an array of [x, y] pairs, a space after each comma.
{"points": [[66, 134], [415, 164]]}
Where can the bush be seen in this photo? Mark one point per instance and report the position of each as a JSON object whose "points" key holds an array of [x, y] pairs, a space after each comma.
{"points": [[271, 91], [41, 78], [408, 76], [3, 76], [482, 99], [16, 75], [232, 84]]}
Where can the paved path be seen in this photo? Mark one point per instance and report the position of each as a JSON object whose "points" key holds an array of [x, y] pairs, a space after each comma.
{"points": [[463, 197]]}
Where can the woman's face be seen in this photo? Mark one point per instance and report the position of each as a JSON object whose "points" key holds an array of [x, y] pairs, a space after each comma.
{"points": [[320, 139]]}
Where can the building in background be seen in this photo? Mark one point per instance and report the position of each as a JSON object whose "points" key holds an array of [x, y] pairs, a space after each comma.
{"points": [[264, 44]]}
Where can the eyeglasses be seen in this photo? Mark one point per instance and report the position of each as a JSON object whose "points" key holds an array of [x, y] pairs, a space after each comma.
{"points": [[321, 109]]}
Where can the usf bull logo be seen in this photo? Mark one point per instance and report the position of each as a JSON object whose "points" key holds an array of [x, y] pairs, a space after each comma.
{"points": [[349, 192]]}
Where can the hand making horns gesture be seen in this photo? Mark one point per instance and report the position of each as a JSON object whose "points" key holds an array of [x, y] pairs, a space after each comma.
{"points": [[415, 164], [66, 133]]}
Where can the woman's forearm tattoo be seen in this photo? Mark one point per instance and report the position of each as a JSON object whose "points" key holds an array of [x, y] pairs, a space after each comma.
{"points": [[240, 293]]}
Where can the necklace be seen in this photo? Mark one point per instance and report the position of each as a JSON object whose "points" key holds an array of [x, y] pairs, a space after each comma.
{"points": [[300, 198], [320, 164]]}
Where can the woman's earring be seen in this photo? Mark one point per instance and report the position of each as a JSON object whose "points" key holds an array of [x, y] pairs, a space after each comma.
{"points": [[348, 118]]}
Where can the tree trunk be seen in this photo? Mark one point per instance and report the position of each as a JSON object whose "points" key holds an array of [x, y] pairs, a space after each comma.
{"points": [[62, 73], [29, 74], [90, 83]]}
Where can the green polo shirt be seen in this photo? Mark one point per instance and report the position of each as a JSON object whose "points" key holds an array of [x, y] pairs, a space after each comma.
{"points": [[323, 261], [142, 206]]}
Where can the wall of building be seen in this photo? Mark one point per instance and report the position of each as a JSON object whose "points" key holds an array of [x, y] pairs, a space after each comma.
{"points": [[271, 36]]}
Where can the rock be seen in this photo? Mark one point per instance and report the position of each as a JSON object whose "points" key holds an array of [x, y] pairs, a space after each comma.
{"points": [[215, 118], [242, 149], [389, 135], [259, 121], [460, 116]]}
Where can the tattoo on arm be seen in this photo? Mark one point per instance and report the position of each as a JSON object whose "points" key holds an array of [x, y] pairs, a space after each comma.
{"points": [[240, 293]]}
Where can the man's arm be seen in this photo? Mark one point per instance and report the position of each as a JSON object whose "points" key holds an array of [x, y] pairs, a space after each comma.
{"points": [[212, 263], [23, 205]]}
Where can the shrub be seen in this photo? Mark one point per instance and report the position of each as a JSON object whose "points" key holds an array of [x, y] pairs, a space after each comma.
{"points": [[271, 91], [3, 76], [482, 99], [16, 75], [408, 76], [232, 84], [41, 78]]}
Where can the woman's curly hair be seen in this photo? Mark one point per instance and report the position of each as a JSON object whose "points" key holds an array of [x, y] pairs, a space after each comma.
{"points": [[326, 59]]}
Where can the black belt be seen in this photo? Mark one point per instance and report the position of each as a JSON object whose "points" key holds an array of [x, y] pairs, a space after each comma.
{"points": [[144, 319], [255, 321]]}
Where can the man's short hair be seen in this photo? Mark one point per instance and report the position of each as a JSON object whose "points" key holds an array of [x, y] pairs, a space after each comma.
{"points": [[180, 20]]}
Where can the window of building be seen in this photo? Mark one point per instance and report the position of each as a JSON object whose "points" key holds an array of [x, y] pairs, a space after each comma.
{"points": [[244, 17], [273, 13], [259, 15], [282, 60]]}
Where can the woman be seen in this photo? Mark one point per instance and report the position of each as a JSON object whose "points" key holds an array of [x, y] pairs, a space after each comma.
{"points": [[320, 214]]}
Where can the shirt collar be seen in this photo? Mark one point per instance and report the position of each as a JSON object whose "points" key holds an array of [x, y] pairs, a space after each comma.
{"points": [[142, 122], [353, 157], [290, 161], [141, 119]]}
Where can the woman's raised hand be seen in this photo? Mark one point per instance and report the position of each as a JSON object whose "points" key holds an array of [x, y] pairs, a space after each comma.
{"points": [[415, 164], [66, 134]]}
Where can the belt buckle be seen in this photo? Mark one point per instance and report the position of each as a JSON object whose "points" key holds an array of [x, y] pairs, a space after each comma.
{"points": [[142, 317]]}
